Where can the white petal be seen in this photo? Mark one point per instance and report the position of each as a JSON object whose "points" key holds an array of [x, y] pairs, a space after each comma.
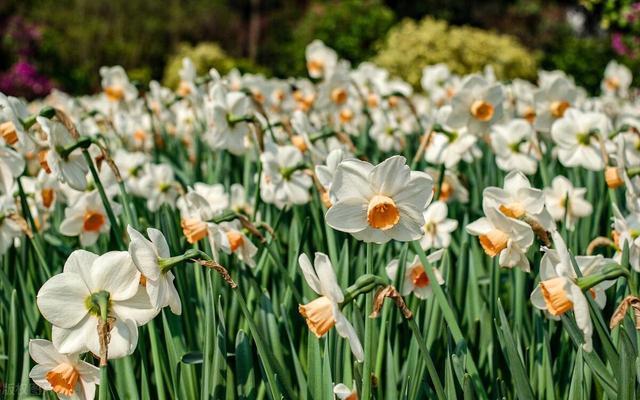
{"points": [[61, 299], [327, 278], [145, 258], [348, 215], [159, 241], [345, 329], [137, 308], [115, 272], [309, 273]]}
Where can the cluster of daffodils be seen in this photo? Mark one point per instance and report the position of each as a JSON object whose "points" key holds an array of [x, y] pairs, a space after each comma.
{"points": [[355, 148]]}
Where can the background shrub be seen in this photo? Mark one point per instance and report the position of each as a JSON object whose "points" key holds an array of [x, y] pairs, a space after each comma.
{"points": [[205, 55], [410, 46]]}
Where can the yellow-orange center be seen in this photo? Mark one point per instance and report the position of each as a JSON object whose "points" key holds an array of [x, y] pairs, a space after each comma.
{"points": [[555, 296], [482, 110], [319, 315], [558, 108], [446, 190], [372, 100], [529, 114], [194, 229], [382, 212], [315, 67], [346, 115], [612, 83], [184, 89], [143, 280], [300, 143], [114, 92], [235, 239], [47, 197], [8, 132], [339, 95], [493, 242], [613, 178], [93, 221], [514, 210], [63, 379], [419, 277], [42, 159], [139, 135]]}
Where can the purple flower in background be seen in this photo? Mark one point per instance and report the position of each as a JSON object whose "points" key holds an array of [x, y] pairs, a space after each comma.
{"points": [[23, 80], [618, 44]]}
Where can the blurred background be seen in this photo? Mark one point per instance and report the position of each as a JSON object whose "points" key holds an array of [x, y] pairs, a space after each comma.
{"points": [[46, 45]]}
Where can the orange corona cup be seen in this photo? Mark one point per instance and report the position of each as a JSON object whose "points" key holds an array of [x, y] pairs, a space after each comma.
{"points": [[9, 133], [613, 177]]}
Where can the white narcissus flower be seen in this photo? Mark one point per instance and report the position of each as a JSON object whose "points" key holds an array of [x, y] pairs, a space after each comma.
{"points": [[502, 236], [566, 203], [580, 138], [321, 60], [146, 255], [324, 312], [225, 113], [552, 102], [617, 79], [451, 188], [416, 280], [65, 374], [9, 228], [116, 85], [87, 218], [217, 200], [72, 168], [159, 184], [627, 230], [437, 227], [519, 200], [237, 242], [67, 301], [343, 392], [11, 166], [449, 146], [558, 292], [12, 132], [476, 106], [379, 203], [326, 172], [387, 132], [513, 144], [283, 182]]}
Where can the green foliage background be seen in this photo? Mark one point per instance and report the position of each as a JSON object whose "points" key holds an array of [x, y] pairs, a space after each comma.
{"points": [[149, 37]]}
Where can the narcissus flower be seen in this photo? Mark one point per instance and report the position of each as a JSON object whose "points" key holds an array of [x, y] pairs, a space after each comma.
{"points": [[513, 143], [321, 60], [580, 138], [415, 279], [519, 200], [69, 301], [70, 168], [9, 228], [627, 230], [146, 255], [617, 79], [284, 183], [505, 237], [159, 184], [343, 392], [87, 218], [226, 114], [558, 291], [237, 242], [379, 203], [566, 203], [437, 227], [476, 106], [116, 85], [65, 374], [553, 101], [11, 166], [324, 313]]}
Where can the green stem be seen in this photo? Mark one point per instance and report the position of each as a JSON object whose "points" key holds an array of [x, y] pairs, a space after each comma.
{"points": [[115, 228], [368, 333], [431, 368]]}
